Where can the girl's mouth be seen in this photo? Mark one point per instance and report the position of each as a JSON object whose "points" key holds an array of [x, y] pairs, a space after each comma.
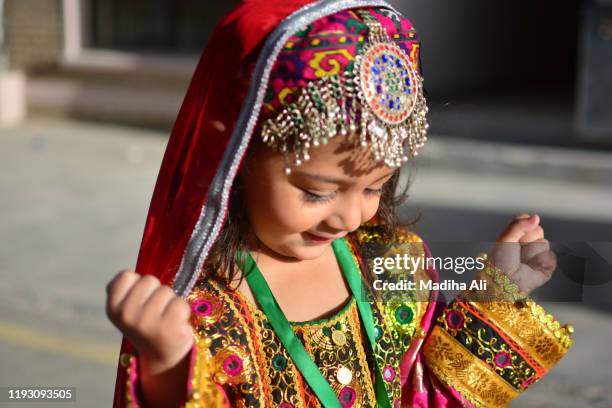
{"points": [[317, 238]]}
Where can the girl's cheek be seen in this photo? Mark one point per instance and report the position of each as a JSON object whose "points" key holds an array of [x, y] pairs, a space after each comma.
{"points": [[294, 214], [371, 209]]}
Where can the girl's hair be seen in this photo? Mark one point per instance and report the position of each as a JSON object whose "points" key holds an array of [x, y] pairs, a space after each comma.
{"points": [[221, 262]]}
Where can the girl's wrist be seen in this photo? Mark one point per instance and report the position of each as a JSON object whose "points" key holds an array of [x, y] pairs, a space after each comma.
{"points": [[155, 363], [510, 289], [164, 379]]}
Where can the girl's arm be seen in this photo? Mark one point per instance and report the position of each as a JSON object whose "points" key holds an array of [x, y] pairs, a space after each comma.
{"points": [[163, 383], [479, 352], [161, 365]]}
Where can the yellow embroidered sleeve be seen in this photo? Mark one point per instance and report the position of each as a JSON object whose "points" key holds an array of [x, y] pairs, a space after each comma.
{"points": [[203, 390], [491, 351], [487, 351]]}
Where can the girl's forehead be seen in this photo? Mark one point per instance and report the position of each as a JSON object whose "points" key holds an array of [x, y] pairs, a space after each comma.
{"points": [[339, 158], [343, 157]]}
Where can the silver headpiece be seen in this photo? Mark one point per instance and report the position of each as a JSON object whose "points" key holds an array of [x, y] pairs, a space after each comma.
{"points": [[379, 103]]}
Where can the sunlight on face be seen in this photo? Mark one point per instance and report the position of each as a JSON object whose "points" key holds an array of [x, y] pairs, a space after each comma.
{"points": [[298, 215]]}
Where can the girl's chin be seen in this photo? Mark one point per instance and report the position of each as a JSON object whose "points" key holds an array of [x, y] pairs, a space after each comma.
{"points": [[305, 252], [298, 249], [311, 255]]}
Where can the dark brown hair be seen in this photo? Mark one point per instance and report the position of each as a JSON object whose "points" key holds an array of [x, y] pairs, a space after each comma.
{"points": [[221, 262]]}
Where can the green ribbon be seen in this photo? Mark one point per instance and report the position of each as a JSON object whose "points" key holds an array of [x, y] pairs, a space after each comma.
{"points": [[294, 346], [353, 277]]}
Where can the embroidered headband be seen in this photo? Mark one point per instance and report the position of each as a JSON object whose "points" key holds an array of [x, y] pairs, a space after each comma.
{"points": [[344, 75]]}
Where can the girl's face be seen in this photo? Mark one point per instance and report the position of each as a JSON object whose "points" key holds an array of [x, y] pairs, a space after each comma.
{"points": [[298, 215]]}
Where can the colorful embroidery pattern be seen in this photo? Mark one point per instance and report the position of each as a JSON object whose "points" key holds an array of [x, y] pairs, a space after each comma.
{"points": [[457, 367], [338, 347], [236, 358], [486, 342], [528, 324], [203, 391], [255, 370], [492, 351], [328, 47]]}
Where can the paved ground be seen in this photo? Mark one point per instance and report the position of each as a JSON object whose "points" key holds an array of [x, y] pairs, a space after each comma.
{"points": [[73, 199]]}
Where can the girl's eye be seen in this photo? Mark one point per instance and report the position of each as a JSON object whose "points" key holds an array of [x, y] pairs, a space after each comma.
{"points": [[374, 191], [311, 197]]}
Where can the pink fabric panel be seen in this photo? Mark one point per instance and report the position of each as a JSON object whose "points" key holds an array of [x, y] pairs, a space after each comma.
{"points": [[421, 388]]}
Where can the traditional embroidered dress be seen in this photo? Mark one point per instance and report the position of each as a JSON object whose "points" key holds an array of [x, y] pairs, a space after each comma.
{"points": [[273, 67]]}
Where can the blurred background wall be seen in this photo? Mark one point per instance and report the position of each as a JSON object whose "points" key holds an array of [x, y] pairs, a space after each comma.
{"points": [[540, 66]]}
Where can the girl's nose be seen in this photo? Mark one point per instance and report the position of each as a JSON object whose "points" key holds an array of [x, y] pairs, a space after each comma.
{"points": [[348, 215]]}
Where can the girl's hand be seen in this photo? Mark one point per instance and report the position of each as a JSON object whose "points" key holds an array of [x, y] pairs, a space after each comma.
{"points": [[523, 254], [152, 317]]}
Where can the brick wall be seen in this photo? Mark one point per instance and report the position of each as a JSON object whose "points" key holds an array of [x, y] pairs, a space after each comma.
{"points": [[34, 33]]}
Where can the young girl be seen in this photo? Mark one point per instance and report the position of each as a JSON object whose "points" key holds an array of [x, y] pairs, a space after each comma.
{"points": [[275, 196]]}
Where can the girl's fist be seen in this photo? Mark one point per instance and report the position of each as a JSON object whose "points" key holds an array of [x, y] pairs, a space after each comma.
{"points": [[523, 254], [152, 317]]}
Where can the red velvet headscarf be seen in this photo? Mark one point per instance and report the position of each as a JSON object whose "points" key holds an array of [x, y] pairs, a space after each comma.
{"points": [[202, 131]]}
